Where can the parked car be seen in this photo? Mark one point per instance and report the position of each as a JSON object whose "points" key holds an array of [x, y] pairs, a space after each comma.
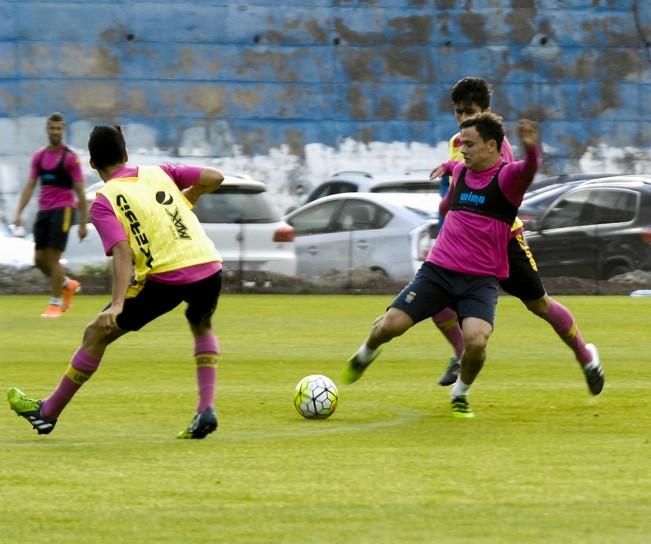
{"points": [[353, 181], [598, 230], [536, 202], [562, 179], [15, 251], [385, 233], [544, 191], [240, 218]]}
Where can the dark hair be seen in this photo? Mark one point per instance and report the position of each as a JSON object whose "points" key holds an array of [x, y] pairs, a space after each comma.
{"points": [[472, 89], [56, 117], [106, 146], [488, 125]]}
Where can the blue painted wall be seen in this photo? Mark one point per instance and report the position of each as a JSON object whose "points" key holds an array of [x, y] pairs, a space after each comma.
{"points": [[249, 77]]}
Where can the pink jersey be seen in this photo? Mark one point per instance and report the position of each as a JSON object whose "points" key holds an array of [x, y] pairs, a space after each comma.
{"points": [[50, 196], [477, 244], [111, 230], [506, 152]]}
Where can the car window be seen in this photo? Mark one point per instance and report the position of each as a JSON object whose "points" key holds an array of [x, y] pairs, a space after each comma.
{"points": [[332, 188], [570, 211], [613, 206], [236, 205], [316, 220], [361, 215], [432, 186]]}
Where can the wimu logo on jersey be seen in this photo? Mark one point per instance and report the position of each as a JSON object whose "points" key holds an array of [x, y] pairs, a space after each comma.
{"points": [[472, 198]]}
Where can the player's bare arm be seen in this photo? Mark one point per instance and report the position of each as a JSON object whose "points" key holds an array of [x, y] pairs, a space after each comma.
{"points": [[83, 209], [122, 268], [25, 197], [209, 180]]}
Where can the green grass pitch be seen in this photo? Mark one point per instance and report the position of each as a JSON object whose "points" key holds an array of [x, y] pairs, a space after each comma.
{"points": [[542, 461]]}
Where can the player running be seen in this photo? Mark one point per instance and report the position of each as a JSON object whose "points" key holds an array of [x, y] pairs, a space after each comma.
{"points": [[471, 96], [470, 255], [143, 215]]}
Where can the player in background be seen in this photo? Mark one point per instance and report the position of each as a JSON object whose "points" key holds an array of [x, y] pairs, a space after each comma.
{"points": [[471, 96], [143, 216], [59, 171], [470, 255]]}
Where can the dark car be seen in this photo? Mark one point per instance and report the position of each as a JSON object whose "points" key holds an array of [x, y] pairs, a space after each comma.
{"points": [[597, 230], [544, 191], [536, 202], [561, 179]]}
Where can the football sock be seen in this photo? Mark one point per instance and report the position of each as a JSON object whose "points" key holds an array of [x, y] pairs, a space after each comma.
{"points": [[561, 319], [206, 352], [55, 301], [447, 322], [460, 389], [81, 368], [365, 353]]}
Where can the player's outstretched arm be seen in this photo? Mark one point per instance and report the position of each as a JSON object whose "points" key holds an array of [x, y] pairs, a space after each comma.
{"points": [[528, 134], [209, 180]]}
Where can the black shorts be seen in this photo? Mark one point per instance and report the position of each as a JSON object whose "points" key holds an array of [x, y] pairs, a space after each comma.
{"points": [[51, 228], [523, 281], [435, 288], [156, 299]]}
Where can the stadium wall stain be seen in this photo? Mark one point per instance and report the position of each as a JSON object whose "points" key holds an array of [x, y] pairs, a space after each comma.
{"points": [[292, 92]]}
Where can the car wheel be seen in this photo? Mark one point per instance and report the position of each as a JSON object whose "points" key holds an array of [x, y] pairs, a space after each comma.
{"points": [[616, 270], [380, 272]]}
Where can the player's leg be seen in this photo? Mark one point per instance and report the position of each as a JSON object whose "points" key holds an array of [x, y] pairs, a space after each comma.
{"points": [[202, 299], [477, 311], [51, 236], [69, 287], [420, 299], [151, 301], [43, 414], [524, 283], [46, 258], [394, 322], [447, 322]]}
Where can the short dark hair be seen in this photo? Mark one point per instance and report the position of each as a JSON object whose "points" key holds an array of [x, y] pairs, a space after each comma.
{"points": [[472, 89], [488, 125], [56, 117], [106, 146]]}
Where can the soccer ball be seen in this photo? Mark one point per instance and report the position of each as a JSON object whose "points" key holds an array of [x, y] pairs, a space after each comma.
{"points": [[315, 397]]}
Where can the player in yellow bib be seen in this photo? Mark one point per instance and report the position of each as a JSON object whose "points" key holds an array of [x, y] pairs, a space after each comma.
{"points": [[471, 96], [145, 220]]}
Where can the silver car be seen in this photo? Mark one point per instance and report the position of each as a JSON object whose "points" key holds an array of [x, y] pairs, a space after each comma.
{"points": [[385, 233], [240, 218]]}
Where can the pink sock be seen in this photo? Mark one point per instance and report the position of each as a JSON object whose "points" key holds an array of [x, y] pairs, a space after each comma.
{"points": [[560, 318], [82, 366], [447, 322], [206, 380], [206, 350]]}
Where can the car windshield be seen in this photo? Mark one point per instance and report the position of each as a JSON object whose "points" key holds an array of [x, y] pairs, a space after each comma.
{"points": [[407, 187], [236, 205]]}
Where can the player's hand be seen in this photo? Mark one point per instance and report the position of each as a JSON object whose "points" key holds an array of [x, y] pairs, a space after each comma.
{"points": [[83, 231], [528, 133], [437, 172], [108, 318]]}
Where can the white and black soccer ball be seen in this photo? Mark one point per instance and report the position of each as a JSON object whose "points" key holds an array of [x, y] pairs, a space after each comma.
{"points": [[315, 397]]}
